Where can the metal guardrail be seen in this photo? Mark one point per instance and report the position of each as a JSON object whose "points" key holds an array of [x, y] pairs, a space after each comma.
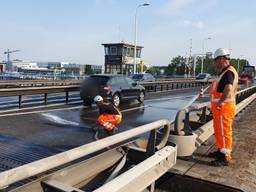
{"points": [[143, 175], [160, 86], [36, 83], [40, 166], [192, 133], [40, 83], [206, 130], [136, 179], [243, 94], [36, 91], [182, 118], [151, 87], [175, 79]]}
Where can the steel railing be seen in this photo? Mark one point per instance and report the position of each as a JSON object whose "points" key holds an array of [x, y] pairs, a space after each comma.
{"points": [[40, 166], [151, 87], [160, 86], [36, 83], [40, 83], [37, 91], [182, 124]]}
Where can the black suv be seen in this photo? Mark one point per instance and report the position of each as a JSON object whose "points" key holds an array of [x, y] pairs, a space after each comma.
{"points": [[112, 87]]}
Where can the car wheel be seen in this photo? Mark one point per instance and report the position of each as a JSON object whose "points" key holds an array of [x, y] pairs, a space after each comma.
{"points": [[141, 97], [87, 102], [116, 99]]}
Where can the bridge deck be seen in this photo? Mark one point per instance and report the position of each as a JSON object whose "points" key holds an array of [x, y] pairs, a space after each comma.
{"points": [[17, 152], [241, 173]]}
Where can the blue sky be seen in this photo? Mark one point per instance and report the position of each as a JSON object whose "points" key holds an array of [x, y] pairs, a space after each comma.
{"points": [[73, 30]]}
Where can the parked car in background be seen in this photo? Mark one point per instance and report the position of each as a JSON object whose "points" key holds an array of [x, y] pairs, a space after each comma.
{"points": [[143, 77], [247, 75], [115, 88], [203, 76]]}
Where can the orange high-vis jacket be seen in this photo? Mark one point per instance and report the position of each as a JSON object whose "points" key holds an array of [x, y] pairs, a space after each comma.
{"points": [[223, 117], [109, 121], [215, 96]]}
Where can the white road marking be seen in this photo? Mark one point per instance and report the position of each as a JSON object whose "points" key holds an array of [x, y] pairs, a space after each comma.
{"points": [[167, 108], [42, 111], [131, 109], [38, 107], [170, 98]]}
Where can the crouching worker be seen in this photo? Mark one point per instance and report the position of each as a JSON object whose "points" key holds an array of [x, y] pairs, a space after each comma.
{"points": [[109, 117]]}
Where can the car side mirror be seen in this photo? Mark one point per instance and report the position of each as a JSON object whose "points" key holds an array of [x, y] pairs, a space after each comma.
{"points": [[134, 83]]}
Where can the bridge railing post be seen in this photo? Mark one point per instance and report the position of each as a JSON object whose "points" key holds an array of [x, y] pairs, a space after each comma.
{"points": [[20, 101], [67, 95], [45, 98], [151, 147]]}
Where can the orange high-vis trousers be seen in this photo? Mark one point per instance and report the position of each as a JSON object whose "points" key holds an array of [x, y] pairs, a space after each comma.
{"points": [[109, 121], [222, 123]]}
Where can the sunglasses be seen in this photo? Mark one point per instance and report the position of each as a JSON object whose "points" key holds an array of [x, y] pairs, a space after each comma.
{"points": [[222, 57]]}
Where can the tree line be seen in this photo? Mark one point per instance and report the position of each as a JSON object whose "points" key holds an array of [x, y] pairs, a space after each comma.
{"points": [[178, 66]]}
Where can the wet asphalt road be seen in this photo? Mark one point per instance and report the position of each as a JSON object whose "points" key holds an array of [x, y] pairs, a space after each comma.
{"points": [[67, 128], [70, 126]]}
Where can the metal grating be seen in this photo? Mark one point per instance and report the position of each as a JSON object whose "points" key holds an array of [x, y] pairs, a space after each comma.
{"points": [[15, 152]]}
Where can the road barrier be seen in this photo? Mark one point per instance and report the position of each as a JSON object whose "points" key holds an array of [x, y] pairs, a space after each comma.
{"points": [[42, 83], [151, 87], [160, 86], [144, 174], [40, 166], [36, 91], [36, 83], [192, 133]]}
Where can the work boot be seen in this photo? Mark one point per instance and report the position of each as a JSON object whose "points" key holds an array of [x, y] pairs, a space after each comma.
{"points": [[216, 154], [115, 129], [112, 131], [221, 161], [95, 128]]}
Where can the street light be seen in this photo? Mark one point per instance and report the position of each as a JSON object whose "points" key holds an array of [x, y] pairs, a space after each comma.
{"points": [[238, 63], [194, 65], [202, 65], [135, 38]]}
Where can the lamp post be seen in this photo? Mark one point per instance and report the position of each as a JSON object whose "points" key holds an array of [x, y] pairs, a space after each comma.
{"points": [[238, 63], [202, 65], [194, 65], [135, 35]]}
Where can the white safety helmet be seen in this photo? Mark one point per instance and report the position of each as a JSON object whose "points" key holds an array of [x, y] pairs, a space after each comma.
{"points": [[222, 52], [98, 98]]}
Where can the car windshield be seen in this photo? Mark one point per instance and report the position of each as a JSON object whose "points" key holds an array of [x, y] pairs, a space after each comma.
{"points": [[201, 76], [249, 69], [98, 80], [137, 76]]}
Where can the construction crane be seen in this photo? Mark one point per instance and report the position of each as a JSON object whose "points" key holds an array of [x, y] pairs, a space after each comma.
{"points": [[9, 62]]}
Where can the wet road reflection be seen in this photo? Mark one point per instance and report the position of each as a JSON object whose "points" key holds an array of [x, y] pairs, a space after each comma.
{"points": [[65, 129]]}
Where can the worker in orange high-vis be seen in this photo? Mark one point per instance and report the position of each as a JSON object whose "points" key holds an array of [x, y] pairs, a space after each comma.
{"points": [[109, 117], [223, 102]]}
